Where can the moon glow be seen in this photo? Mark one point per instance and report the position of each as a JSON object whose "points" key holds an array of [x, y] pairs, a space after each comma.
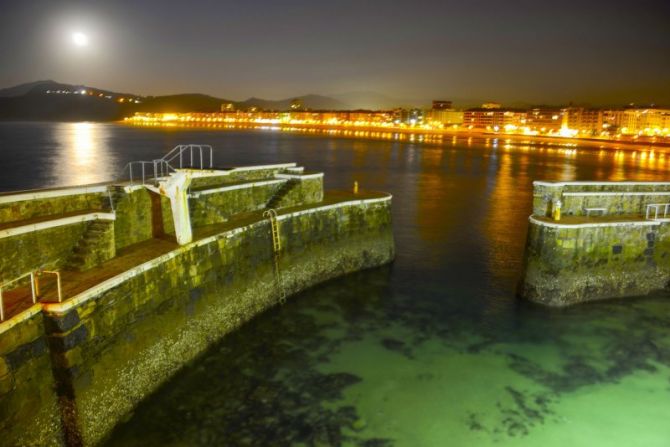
{"points": [[80, 39]]}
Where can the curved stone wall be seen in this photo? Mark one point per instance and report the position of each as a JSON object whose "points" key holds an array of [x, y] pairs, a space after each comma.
{"points": [[115, 343]]}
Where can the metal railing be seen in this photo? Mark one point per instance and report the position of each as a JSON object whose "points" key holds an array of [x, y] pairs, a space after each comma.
{"points": [[8, 283], [197, 156], [34, 287], [137, 170], [657, 207], [59, 286], [190, 154]]}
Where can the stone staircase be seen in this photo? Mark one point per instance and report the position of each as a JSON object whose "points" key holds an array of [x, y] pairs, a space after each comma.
{"points": [[117, 194], [275, 201], [94, 248]]}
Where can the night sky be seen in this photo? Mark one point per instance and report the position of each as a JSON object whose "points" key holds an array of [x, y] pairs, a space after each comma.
{"points": [[598, 52]]}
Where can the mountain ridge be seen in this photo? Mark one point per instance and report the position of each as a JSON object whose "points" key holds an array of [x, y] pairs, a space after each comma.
{"points": [[53, 100]]}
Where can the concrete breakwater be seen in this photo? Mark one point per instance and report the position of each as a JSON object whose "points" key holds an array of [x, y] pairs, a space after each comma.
{"points": [[144, 287], [609, 240]]}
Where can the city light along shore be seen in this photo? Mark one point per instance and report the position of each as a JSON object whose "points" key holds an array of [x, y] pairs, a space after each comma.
{"points": [[630, 125]]}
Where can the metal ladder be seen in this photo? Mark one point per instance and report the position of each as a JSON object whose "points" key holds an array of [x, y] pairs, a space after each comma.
{"points": [[276, 249]]}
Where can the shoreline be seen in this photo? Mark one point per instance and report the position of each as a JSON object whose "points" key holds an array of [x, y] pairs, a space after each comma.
{"points": [[391, 132]]}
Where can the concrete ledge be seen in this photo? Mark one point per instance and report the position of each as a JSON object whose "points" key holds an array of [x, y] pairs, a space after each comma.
{"points": [[584, 183], [20, 317], [300, 176], [630, 223], [231, 188], [261, 167], [9, 232], [48, 194], [622, 193]]}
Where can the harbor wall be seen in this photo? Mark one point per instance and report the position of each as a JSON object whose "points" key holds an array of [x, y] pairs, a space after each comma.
{"points": [[220, 204], [568, 265], [615, 253], [216, 178], [618, 198], [136, 217], [48, 249], [29, 412], [70, 371], [305, 189], [115, 345], [40, 203]]}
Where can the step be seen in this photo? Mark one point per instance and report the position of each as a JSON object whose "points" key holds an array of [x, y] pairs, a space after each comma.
{"points": [[82, 250]]}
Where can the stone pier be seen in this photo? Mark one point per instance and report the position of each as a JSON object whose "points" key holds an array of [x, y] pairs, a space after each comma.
{"points": [[612, 241], [150, 297]]}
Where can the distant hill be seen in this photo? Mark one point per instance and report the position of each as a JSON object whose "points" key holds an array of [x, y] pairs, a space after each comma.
{"points": [[53, 86], [54, 101], [187, 102], [313, 102], [22, 89]]}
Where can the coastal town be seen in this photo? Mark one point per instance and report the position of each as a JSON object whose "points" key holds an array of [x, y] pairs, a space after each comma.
{"points": [[627, 124]]}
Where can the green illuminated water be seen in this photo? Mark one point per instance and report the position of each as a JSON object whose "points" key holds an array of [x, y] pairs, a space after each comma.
{"points": [[434, 350]]}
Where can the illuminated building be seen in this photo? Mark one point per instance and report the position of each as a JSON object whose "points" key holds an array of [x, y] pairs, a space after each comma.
{"points": [[411, 117], [639, 121], [442, 114], [444, 117], [631, 124], [544, 120], [493, 118], [582, 120]]}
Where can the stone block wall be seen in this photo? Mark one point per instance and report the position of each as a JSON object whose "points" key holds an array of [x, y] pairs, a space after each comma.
{"points": [[617, 197], [166, 214], [210, 181], [51, 206], [245, 174], [569, 264], [116, 346], [47, 249], [238, 175], [97, 246], [306, 190], [217, 207], [134, 218], [29, 412], [617, 204]]}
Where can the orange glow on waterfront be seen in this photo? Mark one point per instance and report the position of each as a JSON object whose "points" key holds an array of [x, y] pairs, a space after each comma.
{"points": [[385, 124]]}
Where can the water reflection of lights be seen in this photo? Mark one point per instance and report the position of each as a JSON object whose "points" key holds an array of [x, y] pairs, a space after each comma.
{"points": [[82, 155], [82, 143]]}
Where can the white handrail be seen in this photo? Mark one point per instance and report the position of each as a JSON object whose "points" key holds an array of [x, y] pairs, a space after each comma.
{"points": [[657, 207], [4, 286], [161, 167]]}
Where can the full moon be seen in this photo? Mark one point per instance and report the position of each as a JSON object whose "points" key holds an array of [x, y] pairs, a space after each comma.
{"points": [[80, 39]]}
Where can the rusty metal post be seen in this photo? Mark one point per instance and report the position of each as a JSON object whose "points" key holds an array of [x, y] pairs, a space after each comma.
{"points": [[34, 286], [2, 306]]}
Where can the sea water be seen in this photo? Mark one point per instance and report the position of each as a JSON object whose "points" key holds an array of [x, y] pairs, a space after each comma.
{"points": [[433, 350]]}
